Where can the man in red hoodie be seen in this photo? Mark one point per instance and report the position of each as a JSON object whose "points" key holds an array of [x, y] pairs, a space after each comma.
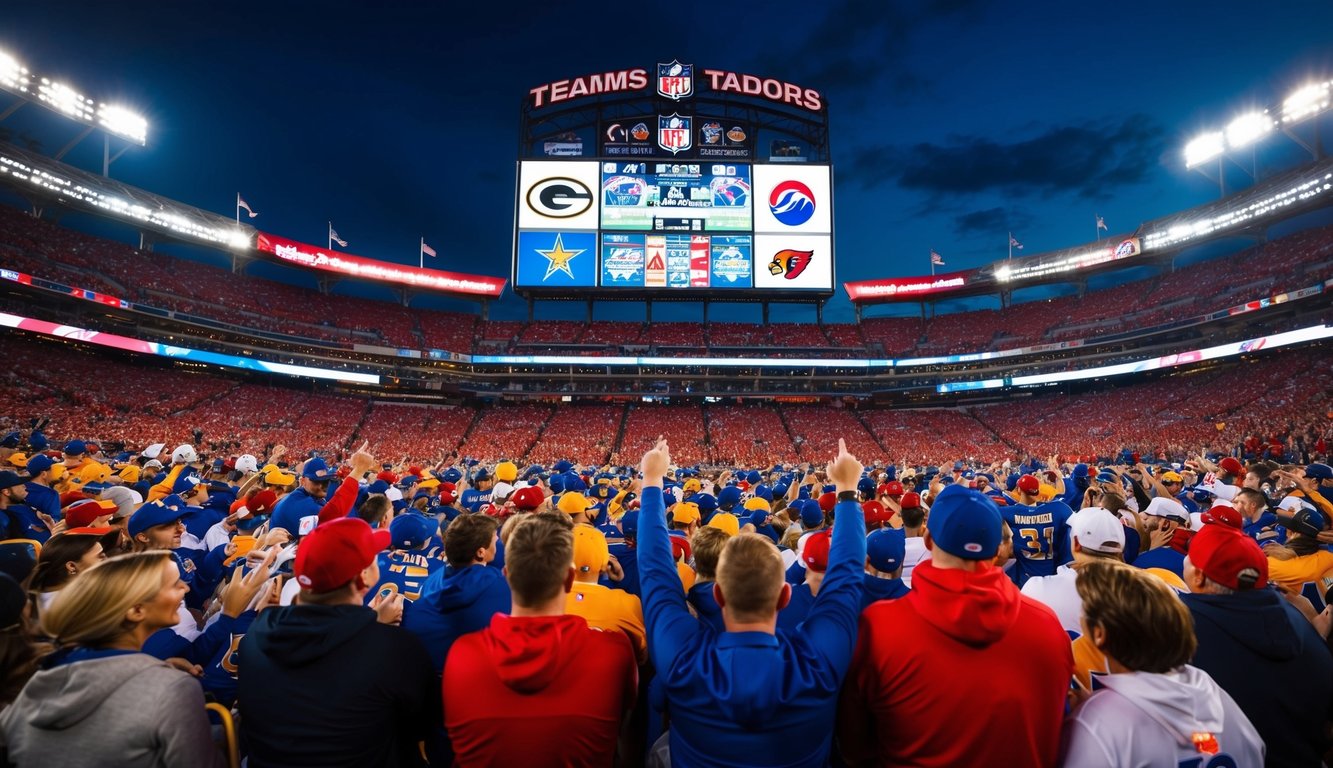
{"points": [[964, 640], [538, 687]]}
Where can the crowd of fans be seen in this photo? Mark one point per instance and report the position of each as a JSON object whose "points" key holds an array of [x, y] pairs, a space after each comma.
{"points": [[353, 608], [215, 295]]}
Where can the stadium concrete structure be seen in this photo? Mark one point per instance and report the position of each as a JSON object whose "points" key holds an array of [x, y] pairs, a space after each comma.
{"points": [[134, 305]]}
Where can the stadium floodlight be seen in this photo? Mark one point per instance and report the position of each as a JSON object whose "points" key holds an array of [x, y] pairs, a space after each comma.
{"points": [[65, 100], [1003, 274], [13, 75], [1203, 148], [1247, 129], [1306, 101], [124, 123]]}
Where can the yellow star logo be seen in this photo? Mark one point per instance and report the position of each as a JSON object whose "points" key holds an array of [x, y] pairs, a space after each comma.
{"points": [[558, 259]]}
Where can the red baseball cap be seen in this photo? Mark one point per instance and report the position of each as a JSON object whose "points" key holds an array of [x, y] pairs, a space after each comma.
{"points": [[447, 495], [828, 501], [1224, 514], [1231, 465], [387, 477], [1229, 557], [333, 554], [875, 512], [528, 497], [891, 488], [69, 497], [1029, 484], [81, 514], [911, 500], [815, 552]]}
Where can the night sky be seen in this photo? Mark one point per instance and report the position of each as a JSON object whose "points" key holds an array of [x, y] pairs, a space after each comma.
{"points": [[953, 122]]}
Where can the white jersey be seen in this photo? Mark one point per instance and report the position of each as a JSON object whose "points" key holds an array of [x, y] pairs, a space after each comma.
{"points": [[916, 552], [1145, 720], [1060, 594]]}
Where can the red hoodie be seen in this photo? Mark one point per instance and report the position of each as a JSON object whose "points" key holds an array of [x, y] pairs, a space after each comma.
{"points": [[538, 691], [964, 670]]}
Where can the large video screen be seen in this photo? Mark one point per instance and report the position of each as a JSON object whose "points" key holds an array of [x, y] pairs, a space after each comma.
{"points": [[673, 227], [676, 197]]}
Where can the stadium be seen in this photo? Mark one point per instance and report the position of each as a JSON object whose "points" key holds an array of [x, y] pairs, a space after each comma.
{"points": [[1194, 346]]}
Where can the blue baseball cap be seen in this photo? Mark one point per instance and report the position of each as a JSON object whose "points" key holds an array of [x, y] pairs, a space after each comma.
{"points": [[629, 522], [707, 504], [763, 492], [865, 485], [451, 475], [11, 440], [379, 486], [753, 478], [811, 513], [10, 479], [153, 514], [317, 470], [412, 531], [886, 549], [562, 466], [40, 463], [965, 523], [76, 447], [731, 495], [38, 441], [759, 517]]}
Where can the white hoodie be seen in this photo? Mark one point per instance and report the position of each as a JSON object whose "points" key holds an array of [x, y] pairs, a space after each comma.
{"points": [[1148, 720]]}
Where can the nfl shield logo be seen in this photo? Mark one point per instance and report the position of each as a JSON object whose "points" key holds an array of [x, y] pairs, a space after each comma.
{"points": [[673, 133], [675, 80]]}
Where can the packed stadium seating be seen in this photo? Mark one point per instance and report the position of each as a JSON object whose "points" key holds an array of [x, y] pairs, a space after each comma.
{"points": [[646, 422], [585, 433], [748, 435], [418, 433]]}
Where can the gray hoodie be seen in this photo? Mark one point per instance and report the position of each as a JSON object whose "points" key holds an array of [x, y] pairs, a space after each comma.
{"points": [[130, 710]]}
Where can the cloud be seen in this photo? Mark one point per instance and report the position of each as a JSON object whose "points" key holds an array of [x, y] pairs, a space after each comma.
{"points": [[991, 220], [1089, 159]]}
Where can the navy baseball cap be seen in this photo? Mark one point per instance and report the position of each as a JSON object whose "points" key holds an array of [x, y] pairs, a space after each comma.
{"points": [[629, 522], [729, 495], [151, 515], [11, 440], [811, 513], [317, 470], [40, 463], [1319, 472], [412, 531], [965, 523], [886, 549], [76, 447], [10, 479], [707, 504]]}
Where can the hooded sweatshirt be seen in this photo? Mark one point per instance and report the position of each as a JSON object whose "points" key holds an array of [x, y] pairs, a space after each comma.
{"points": [[130, 710], [1179, 718], [538, 691], [735, 698], [960, 641], [453, 603], [1265, 654], [328, 685]]}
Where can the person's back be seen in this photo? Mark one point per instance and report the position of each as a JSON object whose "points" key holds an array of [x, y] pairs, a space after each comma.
{"points": [[1259, 648], [122, 708], [737, 698], [538, 688], [963, 639], [323, 682]]}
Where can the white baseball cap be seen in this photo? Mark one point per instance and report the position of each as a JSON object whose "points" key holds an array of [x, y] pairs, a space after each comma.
{"points": [[1097, 530], [184, 454], [1169, 508], [154, 450], [247, 463]]}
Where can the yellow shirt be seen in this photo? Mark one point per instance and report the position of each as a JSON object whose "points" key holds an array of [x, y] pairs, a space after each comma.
{"points": [[610, 609], [163, 489], [1298, 570], [1088, 658]]}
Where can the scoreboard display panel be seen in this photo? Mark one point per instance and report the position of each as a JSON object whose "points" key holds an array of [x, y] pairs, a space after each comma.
{"points": [[676, 196], [673, 227]]}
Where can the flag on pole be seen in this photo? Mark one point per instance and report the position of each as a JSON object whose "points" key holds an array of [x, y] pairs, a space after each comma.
{"points": [[240, 203], [427, 250], [936, 259], [1013, 242], [333, 236], [1101, 223]]}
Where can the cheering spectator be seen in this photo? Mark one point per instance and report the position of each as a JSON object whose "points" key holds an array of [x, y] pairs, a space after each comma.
{"points": [[1153, 709], [735, 697], [964, 638], [1304, 558], [65, 556], [1167, 523], [538, 687], [98, 699], [326, 683], [1257, 646], [1094, 534], [602, 607]]}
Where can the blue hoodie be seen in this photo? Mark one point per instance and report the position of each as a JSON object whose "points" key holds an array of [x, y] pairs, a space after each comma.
{"points": [[736, 697], [705, 605], [874, 589], [453, 603], [1264, 653]]}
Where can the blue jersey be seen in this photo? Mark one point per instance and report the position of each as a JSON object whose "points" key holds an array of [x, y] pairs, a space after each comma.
{"points": [[404, 573], [473, 500], [1041, 538]]}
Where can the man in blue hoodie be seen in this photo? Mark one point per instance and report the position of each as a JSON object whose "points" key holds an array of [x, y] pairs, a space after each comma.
{"points": [[734, 697], [462, 597], [1258, 647]]}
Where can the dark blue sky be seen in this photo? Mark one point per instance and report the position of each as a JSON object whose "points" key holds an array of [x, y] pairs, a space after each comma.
{"points": [[953, 121]]}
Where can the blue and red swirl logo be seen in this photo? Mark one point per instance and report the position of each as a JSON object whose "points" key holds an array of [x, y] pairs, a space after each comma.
{"points": [[792, 203]]}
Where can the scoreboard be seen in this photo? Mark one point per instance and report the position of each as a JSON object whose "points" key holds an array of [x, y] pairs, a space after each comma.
{"points": [[674, 227]]}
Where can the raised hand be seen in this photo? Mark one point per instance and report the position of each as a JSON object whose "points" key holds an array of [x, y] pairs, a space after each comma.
{"points": [[844, 470], [655, 463]]}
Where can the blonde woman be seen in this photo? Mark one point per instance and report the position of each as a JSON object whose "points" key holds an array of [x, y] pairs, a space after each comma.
{"points": [[99, 700]]}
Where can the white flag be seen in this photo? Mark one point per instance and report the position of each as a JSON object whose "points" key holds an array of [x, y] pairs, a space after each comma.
{"points": [[240, 203], [1101, 223], [427, 250]]}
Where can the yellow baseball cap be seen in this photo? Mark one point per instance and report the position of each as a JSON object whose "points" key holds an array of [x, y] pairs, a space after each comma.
{"points": [[685, 512], [725, 522], [572, 503], [591, 553]]}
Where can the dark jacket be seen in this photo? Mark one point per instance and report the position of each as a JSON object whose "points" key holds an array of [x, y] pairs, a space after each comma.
{"points": [[1264, 653], [453, 603], [330, 686]]}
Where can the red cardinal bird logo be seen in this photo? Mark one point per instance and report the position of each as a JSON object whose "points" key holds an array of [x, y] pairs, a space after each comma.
{"points": [[790, 263]]}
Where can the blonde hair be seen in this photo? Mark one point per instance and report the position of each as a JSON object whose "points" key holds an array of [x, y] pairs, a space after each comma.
{"points": [[749, 572], [707, 545], [90, 610]]}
